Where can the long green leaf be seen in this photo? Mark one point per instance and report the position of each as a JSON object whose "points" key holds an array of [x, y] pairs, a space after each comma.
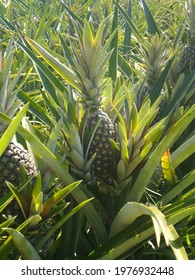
{"points": [[127, 38], [152, 26], [7, 23], [129, 21], [61, 69], [20, 199], [71, 232], [181, 214], [179, 188], [113, 61], [25, 248], [35, 108], [6, 223], [56, 197], [183, 152], [42, 68], [124, 65], [73, 15], [179, 35]]}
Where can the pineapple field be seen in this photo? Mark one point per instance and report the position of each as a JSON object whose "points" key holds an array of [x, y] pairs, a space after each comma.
{"points": [[97, 122]]}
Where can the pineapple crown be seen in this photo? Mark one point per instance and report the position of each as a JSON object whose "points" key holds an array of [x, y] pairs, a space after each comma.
{"points": [[191, 5], [90, 59], [154, 56]]}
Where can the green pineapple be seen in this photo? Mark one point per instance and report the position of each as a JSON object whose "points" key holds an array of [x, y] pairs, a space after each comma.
{"points": [[90, 65], [101, 142], [154, 58], [187, 60], [14, 155]]}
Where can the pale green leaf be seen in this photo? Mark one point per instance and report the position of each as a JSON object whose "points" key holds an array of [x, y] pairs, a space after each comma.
{"points": [[131, 211], [11, 130], [60, 68], [176, 244]]}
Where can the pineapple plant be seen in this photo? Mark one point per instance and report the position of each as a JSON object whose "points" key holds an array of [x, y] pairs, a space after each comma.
{"points": [[90, 63], [140, 147], [14, 155], [187, 60], [91, 151], [154, 59]]}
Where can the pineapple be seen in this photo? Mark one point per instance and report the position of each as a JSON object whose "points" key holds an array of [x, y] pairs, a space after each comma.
{"points": [[14, 155], [154, 58], [187, 60], [101, 142], [90, 66]]}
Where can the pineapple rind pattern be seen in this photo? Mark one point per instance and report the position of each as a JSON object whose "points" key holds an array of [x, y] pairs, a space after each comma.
{"points": [[101, 145], [187, 61], [10, 162]]}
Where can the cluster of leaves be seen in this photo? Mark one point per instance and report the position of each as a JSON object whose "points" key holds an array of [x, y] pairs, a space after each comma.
{"points": [[62, 217]]}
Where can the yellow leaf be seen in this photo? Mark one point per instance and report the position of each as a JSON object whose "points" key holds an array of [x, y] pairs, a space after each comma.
{"points": [[168, 170]]}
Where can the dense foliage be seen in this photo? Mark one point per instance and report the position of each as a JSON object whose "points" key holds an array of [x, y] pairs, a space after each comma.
{"points": [[101, 94]]}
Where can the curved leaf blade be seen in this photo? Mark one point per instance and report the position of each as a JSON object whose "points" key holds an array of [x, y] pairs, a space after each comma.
{"points": [[25, 248]]}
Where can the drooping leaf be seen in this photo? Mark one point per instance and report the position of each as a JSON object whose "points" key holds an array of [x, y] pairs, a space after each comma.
{"points": [[8, 245], [25, 248], [131, 211]]}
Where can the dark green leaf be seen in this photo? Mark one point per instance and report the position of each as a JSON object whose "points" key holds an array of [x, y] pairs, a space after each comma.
{"points": [[152, 26]]}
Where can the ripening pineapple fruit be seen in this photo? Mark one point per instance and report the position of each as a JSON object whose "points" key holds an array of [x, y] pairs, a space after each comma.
{"points": [[90, 59], [187, 60], [101, 142], [14, 155]]}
